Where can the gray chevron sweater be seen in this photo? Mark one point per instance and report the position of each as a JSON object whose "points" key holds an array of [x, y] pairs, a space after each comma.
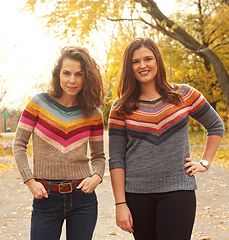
{"points": [[152, 142]]}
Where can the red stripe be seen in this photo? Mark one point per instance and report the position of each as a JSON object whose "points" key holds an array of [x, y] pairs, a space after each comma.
{"points": [[28, 115], [64, 135]]}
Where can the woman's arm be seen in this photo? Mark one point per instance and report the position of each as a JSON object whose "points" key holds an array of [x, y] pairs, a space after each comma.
{"points": [[98, 166], [25, 128], [23, 133], [117, 151], [211, 146], [123, 215], [118, 184], [204, 113]]}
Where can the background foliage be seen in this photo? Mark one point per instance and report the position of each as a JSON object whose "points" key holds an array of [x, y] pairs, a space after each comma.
{"points": [[204, 24]]}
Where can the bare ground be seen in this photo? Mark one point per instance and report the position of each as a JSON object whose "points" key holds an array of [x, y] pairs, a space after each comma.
{"points": [[212, 220]]}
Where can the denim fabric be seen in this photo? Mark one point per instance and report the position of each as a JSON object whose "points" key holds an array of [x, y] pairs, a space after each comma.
{"points": [[79, 209]]}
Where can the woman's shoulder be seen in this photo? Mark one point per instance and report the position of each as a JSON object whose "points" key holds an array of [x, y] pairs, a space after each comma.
{"points": [[183, 88], [188, 92], [38, 96], [115, 102], [37, 99], [97, 112]]}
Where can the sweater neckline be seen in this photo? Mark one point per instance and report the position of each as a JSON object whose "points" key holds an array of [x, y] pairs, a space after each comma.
{"points": [[150, 101], [58, 105]]}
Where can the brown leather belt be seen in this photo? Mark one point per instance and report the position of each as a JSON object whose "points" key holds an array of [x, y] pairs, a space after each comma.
{"points": [[63, 187]]}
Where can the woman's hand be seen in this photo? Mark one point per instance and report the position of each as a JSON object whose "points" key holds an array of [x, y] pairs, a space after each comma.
{"points": [[37, 189], [191, 167], [89, 184], [124, 218]]}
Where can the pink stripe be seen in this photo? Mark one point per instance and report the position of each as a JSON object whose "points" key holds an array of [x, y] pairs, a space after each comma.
{"points": [[166, 125], [78, 137], [200, 104], [63, 142], [27, 121]]}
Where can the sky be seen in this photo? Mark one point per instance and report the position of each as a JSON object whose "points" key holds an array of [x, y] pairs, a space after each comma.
{"points": [[28, 50]]}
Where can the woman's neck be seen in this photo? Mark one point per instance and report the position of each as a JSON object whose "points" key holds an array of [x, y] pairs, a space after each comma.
{"points": [[149, 93], [67, 101]]}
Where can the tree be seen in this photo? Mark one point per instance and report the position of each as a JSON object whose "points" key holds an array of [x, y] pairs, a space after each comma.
{"points": [[70, 18], [185, 67], [200, 47]]}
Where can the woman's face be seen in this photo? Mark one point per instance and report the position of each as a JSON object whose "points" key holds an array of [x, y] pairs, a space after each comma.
{"points": [[144, 65], [71, 77]]}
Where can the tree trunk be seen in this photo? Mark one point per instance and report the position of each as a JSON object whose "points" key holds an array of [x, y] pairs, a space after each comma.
{"points": [[220, 72]]}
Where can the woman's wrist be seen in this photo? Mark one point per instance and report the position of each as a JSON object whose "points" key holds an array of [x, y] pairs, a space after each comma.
{"points": [[30, 181], [97, 177], [120, 203], [205, 163]]}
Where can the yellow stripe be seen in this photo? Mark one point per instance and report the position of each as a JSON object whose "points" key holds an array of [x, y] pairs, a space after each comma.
{"points": [[58, 123]]}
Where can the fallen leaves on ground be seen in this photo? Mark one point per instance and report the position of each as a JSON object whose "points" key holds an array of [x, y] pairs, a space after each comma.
{"points": [[206, 238], [6, 166]]}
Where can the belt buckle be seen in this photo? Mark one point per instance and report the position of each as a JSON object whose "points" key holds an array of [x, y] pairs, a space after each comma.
{"points": [[61, 185]]}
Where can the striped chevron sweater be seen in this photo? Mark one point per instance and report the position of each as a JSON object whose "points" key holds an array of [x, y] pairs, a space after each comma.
{"points": [[152, 142], [60, 137]]}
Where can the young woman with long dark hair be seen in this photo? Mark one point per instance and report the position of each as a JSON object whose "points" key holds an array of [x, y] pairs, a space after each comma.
{"points": [[152, 172]]}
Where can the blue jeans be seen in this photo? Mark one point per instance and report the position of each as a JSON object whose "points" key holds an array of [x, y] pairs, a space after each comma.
{"points": [[79, 209]]}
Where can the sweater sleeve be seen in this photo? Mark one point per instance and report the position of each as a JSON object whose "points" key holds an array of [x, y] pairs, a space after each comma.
{"points": [[117, 139], [205, 114], [97, 145], [24, 130]]}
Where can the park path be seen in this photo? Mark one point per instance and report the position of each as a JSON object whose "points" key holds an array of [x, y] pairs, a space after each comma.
{"points": [[212, 220]]}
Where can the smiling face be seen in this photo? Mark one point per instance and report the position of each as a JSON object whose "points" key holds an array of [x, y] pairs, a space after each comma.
{"points": [[71, 78], [144, 65]]}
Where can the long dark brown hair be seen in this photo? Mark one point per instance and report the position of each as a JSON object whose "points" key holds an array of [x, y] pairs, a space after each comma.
{"points": [[92, 94], [129, 89]]}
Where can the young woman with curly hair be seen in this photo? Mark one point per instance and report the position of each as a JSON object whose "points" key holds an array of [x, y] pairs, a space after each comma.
{"points": [[62, 122]]}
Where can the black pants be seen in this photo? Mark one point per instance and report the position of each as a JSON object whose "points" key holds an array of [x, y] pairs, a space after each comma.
{"points": [[162, 216]]}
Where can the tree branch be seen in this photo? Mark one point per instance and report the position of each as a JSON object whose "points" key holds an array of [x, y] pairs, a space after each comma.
{"points": [[177, 32], [216, 25], [220, 44], [123, 19]]}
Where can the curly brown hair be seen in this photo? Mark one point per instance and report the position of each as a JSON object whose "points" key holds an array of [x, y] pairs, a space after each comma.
{"points": [[92, 94], [129, 89]]}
